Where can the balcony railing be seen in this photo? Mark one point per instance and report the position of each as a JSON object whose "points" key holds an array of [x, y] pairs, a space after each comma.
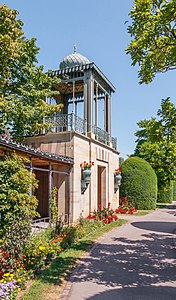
{"points": [[68, 122]]}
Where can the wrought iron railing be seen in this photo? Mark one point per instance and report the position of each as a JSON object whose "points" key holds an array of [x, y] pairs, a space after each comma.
{"points": [[114, 142], [101, 135], [68, 122]]}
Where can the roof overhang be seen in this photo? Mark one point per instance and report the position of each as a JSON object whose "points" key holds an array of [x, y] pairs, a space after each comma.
{"points": [[30, 151], [83, 68]]}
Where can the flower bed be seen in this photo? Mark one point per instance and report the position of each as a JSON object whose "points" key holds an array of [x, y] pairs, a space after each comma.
{"points": [[125, 207], [106, 215]]}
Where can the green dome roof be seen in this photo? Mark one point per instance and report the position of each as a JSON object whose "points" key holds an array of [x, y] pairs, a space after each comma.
{"points": [[74, 59]]}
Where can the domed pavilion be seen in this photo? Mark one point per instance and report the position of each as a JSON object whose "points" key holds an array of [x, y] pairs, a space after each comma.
{"points": [[82, 130], [83, 86]]}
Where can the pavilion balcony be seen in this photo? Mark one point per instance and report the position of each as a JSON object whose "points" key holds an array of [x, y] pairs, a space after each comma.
{"points": [[69, 122]]}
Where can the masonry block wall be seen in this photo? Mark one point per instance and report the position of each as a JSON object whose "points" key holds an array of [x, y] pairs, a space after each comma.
{"points": [[82, 148]]}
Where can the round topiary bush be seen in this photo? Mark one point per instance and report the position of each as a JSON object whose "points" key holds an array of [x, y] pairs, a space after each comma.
{"points": [[139, 183]]}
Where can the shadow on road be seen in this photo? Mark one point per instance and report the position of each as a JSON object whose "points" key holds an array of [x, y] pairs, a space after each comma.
{"points": [[165, 227], [130, 264], [144, 293]]}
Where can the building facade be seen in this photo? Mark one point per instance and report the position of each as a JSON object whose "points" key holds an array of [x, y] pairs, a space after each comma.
{"points": [[85, 93]]}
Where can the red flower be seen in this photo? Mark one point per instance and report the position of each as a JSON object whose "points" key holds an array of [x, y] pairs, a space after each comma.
{"points": [[99, 206], [109, 203], [5, 255]]}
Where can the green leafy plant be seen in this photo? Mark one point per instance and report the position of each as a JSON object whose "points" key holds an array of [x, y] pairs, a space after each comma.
{"points": [[156, 144], [153, 43], [24, 84], [139, 183], [17, 208]]}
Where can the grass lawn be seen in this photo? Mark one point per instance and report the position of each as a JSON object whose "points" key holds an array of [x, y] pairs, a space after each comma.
{"points": [[50, 282], [161, 205], [138, 213], [143, 212]]}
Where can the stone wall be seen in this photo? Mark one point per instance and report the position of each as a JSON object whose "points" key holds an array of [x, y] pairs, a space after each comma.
{"points": [[82, 148]]}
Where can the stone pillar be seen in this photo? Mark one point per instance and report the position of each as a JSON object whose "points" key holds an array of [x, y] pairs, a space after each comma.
{"points": [[96, 107], [73, 107], [108, 117], [90, 95], [85, 102], [50, 188], [105, 112], [73, 98], [109, 114]]}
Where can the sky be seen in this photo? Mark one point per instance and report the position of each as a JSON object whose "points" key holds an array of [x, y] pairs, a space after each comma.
{"points": [[99, 29]]}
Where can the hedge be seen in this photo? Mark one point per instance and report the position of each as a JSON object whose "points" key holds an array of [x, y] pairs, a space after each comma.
{"points": [[166, 194], [139, 183]]}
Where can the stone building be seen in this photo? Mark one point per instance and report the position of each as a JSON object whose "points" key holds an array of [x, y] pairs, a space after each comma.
{"points": [[75, 132]]}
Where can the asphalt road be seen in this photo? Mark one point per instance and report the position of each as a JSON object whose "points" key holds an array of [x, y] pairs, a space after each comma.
{"points": [[134, 262]]}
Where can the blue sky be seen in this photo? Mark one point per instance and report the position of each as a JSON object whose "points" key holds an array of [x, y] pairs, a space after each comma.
{"points": [[97, 27]]}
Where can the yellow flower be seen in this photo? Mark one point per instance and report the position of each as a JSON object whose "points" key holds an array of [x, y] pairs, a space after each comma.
{"points": [[11, 275], [19, 280], [41, 248], [19, 289], [7, 274]]}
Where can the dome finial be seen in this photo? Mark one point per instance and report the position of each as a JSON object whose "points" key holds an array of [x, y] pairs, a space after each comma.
{"points": [[74, 51]]}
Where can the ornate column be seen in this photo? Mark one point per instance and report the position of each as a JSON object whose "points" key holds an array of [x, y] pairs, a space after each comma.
{"points": [[85, 102], [90, 95], [73, 107], [108, 117], [105, 112], [109, 114], [96, 107]]}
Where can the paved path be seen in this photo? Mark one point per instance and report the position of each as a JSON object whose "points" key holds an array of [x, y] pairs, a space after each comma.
{"points": [[133, 262]]}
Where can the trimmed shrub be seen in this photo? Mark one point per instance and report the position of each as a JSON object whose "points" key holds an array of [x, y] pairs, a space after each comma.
{"points": [[166, 194], [139, 183], [174, 191]]}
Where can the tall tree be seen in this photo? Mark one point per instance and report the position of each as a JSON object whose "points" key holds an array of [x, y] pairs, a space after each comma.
{"points": [[156, 142], [153, 32], [23, 84]]}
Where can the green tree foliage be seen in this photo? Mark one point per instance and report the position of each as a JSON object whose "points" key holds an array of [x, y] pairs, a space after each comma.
{"points": [[153, 32], [166, 193], [16, 205], [139, 183], [174, 191], [15, 182], [23, 84], [156, 143]]}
